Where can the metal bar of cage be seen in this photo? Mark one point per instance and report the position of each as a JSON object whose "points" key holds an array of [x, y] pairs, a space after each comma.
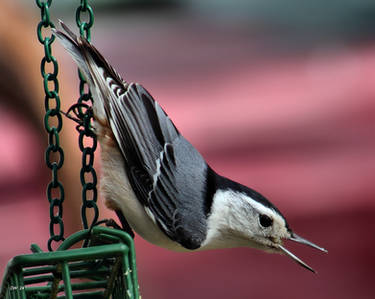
{"points": [[114, 262]]}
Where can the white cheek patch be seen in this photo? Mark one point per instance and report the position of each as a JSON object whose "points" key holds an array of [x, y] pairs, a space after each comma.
{"points": [[236, 214], [228, 202]]}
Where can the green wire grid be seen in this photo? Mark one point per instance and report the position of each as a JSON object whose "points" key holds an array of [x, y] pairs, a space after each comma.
{"points": [[97, 271]]}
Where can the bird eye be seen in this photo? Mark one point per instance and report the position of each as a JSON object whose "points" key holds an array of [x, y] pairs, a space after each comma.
{"points": [[265, 221]]}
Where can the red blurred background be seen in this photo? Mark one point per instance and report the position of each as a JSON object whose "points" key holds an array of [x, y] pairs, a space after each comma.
{"points": [[280, 98]]}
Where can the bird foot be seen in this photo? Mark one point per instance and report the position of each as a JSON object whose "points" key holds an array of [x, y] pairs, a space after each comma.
{"points": [[112, 223], [77, 112]]}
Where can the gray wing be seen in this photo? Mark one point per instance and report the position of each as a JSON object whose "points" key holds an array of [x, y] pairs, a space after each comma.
{"points": [[166, 172]]}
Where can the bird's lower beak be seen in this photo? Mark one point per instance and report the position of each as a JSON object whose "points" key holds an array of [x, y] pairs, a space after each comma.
{"points": [[294, 237]]}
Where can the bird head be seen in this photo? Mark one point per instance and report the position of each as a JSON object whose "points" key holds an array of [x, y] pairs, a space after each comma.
{"points": [[246, 218]]}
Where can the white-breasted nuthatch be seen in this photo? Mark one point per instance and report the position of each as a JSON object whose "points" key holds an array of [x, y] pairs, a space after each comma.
{"points": [[157, 182]]}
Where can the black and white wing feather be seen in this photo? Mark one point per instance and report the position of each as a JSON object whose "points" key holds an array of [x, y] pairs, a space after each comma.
{"points": [[165, 171], [162, 166]]}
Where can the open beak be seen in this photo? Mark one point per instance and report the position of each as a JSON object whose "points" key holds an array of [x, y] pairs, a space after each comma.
{"points": [[294, 237]]}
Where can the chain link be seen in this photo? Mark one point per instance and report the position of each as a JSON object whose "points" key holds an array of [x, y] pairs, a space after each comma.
{"points": [[54, 154], [86, 134]]}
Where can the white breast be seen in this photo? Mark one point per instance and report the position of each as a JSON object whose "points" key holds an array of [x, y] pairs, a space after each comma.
{"points": [[117, 190]]}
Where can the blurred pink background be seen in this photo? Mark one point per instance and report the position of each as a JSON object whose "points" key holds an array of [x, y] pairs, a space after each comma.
{"points": [[281, 104]]}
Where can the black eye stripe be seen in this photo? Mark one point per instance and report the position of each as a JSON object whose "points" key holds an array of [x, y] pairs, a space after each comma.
{"points": [[265, 221]]}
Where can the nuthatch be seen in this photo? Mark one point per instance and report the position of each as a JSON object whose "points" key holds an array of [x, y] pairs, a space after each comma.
{"points": [[157, 182]]}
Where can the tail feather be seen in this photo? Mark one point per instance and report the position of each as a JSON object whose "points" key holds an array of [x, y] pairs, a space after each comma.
{"points": [[72, 35], [85, 53], [93, 66], [71, 43]]}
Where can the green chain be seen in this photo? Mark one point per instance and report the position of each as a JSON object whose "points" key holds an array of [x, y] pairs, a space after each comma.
{"points": [[55, 190], [85, 131]]}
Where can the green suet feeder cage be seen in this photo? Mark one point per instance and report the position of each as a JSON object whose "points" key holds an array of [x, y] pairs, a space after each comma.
{"points": [[104, 270], [104, 266]]}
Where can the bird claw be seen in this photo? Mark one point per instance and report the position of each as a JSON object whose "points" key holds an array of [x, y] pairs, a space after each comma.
{"points": [[113, 224], [79, 116]]}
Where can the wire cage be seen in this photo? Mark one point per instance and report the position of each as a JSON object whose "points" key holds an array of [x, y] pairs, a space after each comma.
{"points": [[104, 269]]}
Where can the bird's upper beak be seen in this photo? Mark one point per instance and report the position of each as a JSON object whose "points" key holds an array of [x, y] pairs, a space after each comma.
{"points": [[294, 237]]}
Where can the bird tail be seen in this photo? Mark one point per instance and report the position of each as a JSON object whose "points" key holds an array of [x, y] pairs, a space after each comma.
{"points": [[92, 65], [74, 45]]}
